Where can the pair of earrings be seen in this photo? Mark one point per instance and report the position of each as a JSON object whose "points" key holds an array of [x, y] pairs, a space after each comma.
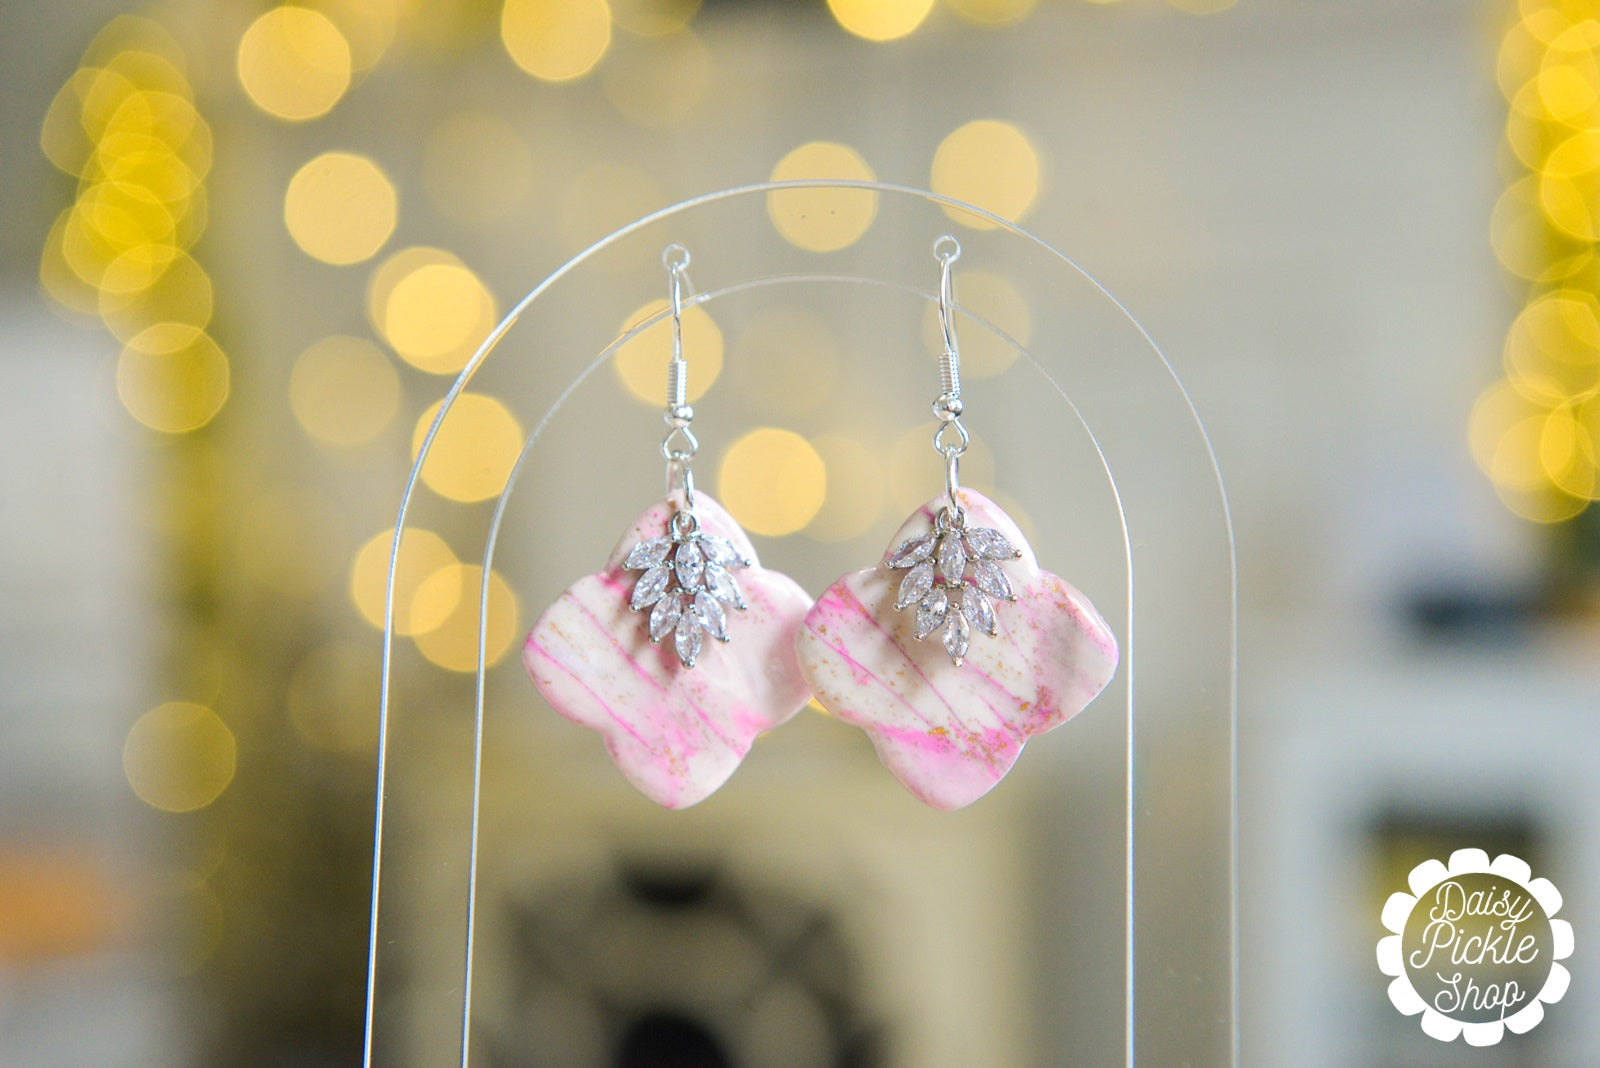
{"points": [[950, 654]]}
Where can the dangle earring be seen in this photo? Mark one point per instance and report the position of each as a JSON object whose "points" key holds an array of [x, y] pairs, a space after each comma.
{"points": [[957, 648], [625, 651]]}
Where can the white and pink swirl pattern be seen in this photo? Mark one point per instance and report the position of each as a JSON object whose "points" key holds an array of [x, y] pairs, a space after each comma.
{"points": [[676, 732], [949, 732]]}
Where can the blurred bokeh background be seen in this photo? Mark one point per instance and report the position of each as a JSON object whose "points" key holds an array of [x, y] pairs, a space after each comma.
{"points": [[248, 246]]}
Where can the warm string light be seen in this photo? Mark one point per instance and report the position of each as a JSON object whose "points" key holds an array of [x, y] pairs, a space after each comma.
{"points": [[126, 127], [1536, 431]]}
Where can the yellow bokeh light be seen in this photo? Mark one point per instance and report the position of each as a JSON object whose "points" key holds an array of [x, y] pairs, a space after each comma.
{"points": [[179, 757], [340, 208], [58, 278], [181, 293], [62, 135], [993, 12], [653, 18], [368, 26], [856, 493], [112, 219], [880, 20], [603, 198], [772, 481], [344, 391], [132, 271], [822, 220], [294, 63], [477, 168], [1524, 242], [991, 165], [1552, 351], [641, 361], [1567, 90], [422, 553], [993, 299], [786, 360], [333, 696], [453, 645], [1566, 205], [1536, 433], [1497, 408], [1567, 453], [477, 445], [662, 82], [1577, 155], [172, 377], [149, 162], [1520, 52], [432, 310], [556, 40], [384, 277], [1545, 22], [1517, 462]]}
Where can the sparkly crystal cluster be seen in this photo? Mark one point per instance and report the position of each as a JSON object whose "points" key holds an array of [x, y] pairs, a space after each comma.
{"points": [[953, 580], [687, 578]]}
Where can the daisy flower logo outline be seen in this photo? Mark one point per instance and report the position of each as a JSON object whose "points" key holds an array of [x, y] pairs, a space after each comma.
{"points": [[1391, 949]]}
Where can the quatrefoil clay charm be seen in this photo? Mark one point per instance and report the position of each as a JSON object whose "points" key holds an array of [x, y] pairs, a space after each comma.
{"points": [[1018, 650], [624, 652]]}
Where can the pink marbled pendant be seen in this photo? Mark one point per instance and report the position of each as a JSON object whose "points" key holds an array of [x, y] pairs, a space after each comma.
{"points": [[948, 712], [677, 718]]}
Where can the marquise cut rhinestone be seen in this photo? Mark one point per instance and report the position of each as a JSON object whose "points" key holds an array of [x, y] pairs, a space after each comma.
{"points": [[930, 613], [952, 558], [664, 617], [990, 544], [987, 576], [686, 578], [957, 636], [953, 580]]}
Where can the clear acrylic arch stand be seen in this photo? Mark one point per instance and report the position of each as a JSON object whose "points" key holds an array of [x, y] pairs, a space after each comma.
{"points": [[1118, 829]]}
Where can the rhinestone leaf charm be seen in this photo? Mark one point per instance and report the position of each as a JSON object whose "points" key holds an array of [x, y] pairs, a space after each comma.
{"points": [[677, 712], [966, 596], [690, 607], [950, 696]]}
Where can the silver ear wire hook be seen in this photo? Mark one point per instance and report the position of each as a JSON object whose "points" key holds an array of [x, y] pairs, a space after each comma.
{"points": [[680, 444], [947, 407]]}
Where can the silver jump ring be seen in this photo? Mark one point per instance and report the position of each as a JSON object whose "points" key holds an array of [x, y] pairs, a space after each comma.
{"points": [[680, 445], [951, 448]]}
